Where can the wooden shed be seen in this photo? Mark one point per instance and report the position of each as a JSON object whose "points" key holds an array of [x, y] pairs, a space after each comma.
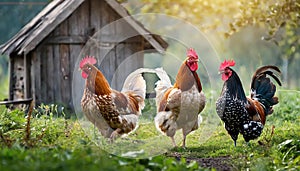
{"points": [[44, 53]]}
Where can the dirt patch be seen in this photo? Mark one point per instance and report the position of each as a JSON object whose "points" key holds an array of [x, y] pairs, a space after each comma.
{"points": [[221, 163]]}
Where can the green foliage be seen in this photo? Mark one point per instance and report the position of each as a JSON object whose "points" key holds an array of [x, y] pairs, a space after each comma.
{"points": [[209, 16], [275, 14], [49, 110], [56, 143], [10, 121], [289, 155], [281, 18]]}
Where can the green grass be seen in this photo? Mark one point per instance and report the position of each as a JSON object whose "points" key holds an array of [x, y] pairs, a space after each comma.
{"points": [[56, 143]]}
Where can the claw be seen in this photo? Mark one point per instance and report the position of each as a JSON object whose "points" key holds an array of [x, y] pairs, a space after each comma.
{"points": [[114, 135]]}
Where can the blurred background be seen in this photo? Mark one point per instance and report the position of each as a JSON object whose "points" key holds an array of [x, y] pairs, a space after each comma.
{"points": [[251, 32]]}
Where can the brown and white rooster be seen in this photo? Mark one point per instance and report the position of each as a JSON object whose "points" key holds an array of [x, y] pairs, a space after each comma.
{"points": [[114, 113], [179, 106]]}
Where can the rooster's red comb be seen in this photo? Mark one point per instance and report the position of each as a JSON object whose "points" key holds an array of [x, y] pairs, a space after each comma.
{"points": [[87, 60], [192, 53], [226, 64]]}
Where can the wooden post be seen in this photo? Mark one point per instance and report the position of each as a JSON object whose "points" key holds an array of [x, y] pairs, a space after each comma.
{"points": [[11, 71], [33, 76], [27, 93]]}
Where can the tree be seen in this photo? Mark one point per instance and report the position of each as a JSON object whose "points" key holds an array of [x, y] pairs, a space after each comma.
{"points": [[282, 19], [225, 18]]}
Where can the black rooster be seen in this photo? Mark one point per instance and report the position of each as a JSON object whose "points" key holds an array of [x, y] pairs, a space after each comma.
{"points": [[241, 114]]}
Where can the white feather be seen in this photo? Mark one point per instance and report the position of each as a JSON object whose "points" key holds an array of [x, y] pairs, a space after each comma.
{"points": [[136, 83], [160, 120]]}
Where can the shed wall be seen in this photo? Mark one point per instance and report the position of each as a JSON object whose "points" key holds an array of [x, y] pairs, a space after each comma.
{"points": [[54, 61]]}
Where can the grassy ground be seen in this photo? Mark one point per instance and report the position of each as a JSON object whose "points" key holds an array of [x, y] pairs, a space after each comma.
{"points": [[51, 142]]}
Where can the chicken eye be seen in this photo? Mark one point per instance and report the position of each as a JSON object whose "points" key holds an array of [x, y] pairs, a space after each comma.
{"points": [[89, 68]]}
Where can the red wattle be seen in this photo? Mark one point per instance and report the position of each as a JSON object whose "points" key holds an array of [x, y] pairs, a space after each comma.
{"points": [[84, 75], [225, 77], [194, 66]]}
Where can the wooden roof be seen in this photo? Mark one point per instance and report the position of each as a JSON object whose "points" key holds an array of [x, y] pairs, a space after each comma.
{"points": [[54, 14]]}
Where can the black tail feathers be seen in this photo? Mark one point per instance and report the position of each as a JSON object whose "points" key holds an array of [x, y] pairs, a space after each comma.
{"points": [[263, 89]]}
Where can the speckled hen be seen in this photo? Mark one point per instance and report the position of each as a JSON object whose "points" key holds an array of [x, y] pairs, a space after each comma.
{"points": [[241, 114], [114, 113]]}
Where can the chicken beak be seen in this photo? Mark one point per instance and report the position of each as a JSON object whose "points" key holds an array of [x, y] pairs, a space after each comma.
{"points": [[221, 72]]}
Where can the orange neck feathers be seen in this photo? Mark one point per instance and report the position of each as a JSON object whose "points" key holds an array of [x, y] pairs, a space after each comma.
{"points": [[97, 83], [186, 78]]}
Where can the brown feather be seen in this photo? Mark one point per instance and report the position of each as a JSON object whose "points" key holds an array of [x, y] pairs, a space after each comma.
{"points": [[260, 111], [126, 101], [197, 79], [134, 104], [120, 100], [185, 78], [163, 103], [97, 83], [254, 109]]}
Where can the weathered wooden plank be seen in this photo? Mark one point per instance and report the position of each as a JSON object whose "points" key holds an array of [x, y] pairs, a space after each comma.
{"points": [[103, 43], [18, 78], [104, 64], [44, 76], [37, 75], [53, 19], [33, 75], [75, 58], [57, 67], [11, 80], [64, 53], [50, 74], [76, 82], [140, 49], [57, 74], [67, 39], [91, 47], [103, 39], [112, 65], [78, 27], [65, 74], [97, 14], [119, 57], [79, 20], [129, 57], [27, 78], [137, 26]]}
